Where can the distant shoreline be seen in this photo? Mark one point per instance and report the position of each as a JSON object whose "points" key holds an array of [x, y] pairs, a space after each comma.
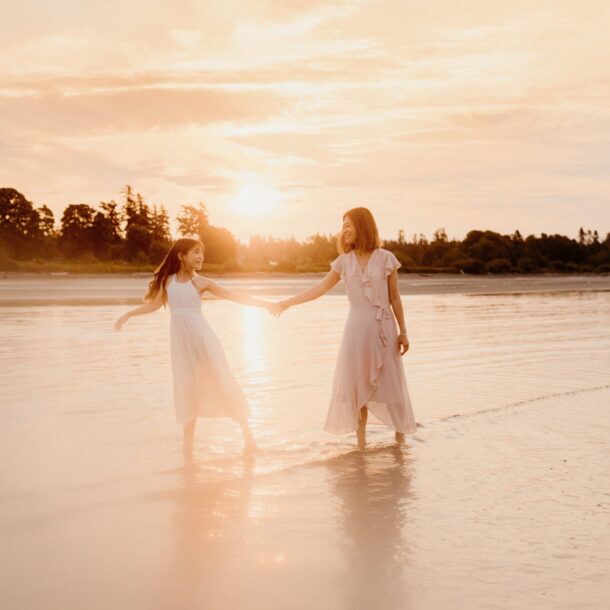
{"points": [[284, 274], [25, 290]]}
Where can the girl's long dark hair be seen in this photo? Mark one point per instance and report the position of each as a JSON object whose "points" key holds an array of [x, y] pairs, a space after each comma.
{"points": [[170, 265]]}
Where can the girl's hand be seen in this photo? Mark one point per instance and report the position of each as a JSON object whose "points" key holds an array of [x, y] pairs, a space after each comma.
{"points": [[403, 344], [119, 323]]}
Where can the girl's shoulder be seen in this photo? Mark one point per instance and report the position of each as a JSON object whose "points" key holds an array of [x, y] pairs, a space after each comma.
{"points": [[200, 281]]}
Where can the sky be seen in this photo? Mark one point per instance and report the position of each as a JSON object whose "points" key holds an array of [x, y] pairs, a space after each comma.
{"points": [[279, 116]]}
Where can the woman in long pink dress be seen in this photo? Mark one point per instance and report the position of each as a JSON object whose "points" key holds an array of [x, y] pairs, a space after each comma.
{"points": [[369, 374]]}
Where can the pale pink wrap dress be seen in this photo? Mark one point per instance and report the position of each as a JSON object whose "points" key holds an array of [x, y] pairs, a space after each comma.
{"points": [[369, 370]]}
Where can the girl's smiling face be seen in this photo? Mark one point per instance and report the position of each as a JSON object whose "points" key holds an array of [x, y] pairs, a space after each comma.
{"points": [[193, 259], [349, 231]]}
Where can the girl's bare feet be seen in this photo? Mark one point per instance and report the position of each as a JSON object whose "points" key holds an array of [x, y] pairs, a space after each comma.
{"points": [[187, 449], [249, 442], [250, 446]]}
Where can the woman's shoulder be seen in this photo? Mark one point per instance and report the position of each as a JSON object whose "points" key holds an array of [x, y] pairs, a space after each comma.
{"points": [[387, 254]]}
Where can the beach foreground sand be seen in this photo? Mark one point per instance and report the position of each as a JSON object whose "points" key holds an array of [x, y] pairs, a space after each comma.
{"points": [[508, 509]]}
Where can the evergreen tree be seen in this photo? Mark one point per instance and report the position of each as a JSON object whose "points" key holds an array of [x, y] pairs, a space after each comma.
{"points": [[113, 215], [138, 236], [192, 221], [160, 233]]}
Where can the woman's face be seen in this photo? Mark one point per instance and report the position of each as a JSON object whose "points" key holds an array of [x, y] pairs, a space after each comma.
{"points": [[193, 259], [349, 231]]}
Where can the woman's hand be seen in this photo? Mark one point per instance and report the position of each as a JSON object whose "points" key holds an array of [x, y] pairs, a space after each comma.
{"points": [[279, 308], [403, 344], [119, 323]]}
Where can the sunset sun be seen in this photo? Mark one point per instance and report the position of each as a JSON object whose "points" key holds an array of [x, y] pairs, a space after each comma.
{"points": [[254, 199]]}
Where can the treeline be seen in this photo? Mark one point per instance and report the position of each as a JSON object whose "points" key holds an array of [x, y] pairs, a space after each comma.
{"points": [[132, 234], [491, 252]]}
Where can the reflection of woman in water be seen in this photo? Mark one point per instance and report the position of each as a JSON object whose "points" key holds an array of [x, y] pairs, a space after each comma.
{"points": [[372, 489], [369, 374]]}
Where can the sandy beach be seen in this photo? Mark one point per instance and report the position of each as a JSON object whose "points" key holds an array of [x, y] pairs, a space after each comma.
{"points": [[38, 289], [499, 501]]}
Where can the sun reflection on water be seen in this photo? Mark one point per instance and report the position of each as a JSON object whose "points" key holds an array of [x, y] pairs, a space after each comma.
{"points": [[254, 356]]}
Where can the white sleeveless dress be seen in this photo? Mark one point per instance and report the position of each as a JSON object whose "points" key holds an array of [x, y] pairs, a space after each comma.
{"points": [[369, 370], [204, 385]]}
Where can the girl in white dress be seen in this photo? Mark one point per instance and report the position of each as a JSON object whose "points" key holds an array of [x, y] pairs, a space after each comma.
{"points": [[369, 374], [203, 383]]}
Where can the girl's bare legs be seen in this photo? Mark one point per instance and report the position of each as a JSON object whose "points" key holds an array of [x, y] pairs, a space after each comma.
{"points": [[188, 434], [249, 443], [361, 433], [400, 438]]}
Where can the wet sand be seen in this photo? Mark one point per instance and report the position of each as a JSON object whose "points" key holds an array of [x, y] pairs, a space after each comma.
{"points": [[502, 511], [500, 500]]}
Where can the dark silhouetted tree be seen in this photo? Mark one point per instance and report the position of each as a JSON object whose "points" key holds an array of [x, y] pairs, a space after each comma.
{"points": [[20, 231], [138, 235], [75, 232]]}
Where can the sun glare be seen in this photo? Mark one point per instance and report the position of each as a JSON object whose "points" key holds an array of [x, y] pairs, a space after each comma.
{"points": [[254, 199]]}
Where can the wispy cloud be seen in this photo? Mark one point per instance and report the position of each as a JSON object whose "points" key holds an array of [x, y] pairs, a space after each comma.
{"points": [[433, 116]]}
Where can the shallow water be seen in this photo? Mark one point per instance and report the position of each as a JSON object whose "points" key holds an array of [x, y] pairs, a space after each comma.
{"points": [[480, 510]]}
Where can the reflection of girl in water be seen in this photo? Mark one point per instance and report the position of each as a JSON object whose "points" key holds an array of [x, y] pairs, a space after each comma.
{"points": [[369, 372]]}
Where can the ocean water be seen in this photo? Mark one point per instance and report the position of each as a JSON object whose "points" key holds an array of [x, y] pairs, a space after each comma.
{"points": [[95, 496]]}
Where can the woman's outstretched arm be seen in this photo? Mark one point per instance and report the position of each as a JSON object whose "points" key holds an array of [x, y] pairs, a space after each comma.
{"points": [[204, 283], [394, 294], [312, 293], [141, 310]]}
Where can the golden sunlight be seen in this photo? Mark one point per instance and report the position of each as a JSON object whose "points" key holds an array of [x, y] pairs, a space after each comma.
{"points": [[254, 198]]}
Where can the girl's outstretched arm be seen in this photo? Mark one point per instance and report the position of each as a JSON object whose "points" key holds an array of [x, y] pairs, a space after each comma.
{"points": [[141, 310], [204, 283], [394, 295], [331, 279]]}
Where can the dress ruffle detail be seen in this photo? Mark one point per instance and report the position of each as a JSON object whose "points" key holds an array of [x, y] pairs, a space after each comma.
{"points": [[381, 315]]}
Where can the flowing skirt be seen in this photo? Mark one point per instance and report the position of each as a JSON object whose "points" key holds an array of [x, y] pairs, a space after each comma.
{"points": [[204, 385], [369, 372]]}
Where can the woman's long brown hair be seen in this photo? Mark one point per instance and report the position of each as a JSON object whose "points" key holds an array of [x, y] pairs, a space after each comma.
{"points": [[170, 265], [367, 236]]}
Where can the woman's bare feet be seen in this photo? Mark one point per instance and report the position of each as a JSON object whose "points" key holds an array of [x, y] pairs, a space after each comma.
{"points": [[249, 442], [361, 432], [188, 436]]}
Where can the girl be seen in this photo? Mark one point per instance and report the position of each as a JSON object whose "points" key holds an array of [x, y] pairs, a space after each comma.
{"points": [[369, 372], [204, 385]]}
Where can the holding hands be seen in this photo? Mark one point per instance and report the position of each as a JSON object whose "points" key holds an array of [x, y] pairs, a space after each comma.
{"points": [[276, 309]]}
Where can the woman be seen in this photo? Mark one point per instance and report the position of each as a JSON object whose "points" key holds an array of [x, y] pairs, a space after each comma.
{"points": [[369, 374]]}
